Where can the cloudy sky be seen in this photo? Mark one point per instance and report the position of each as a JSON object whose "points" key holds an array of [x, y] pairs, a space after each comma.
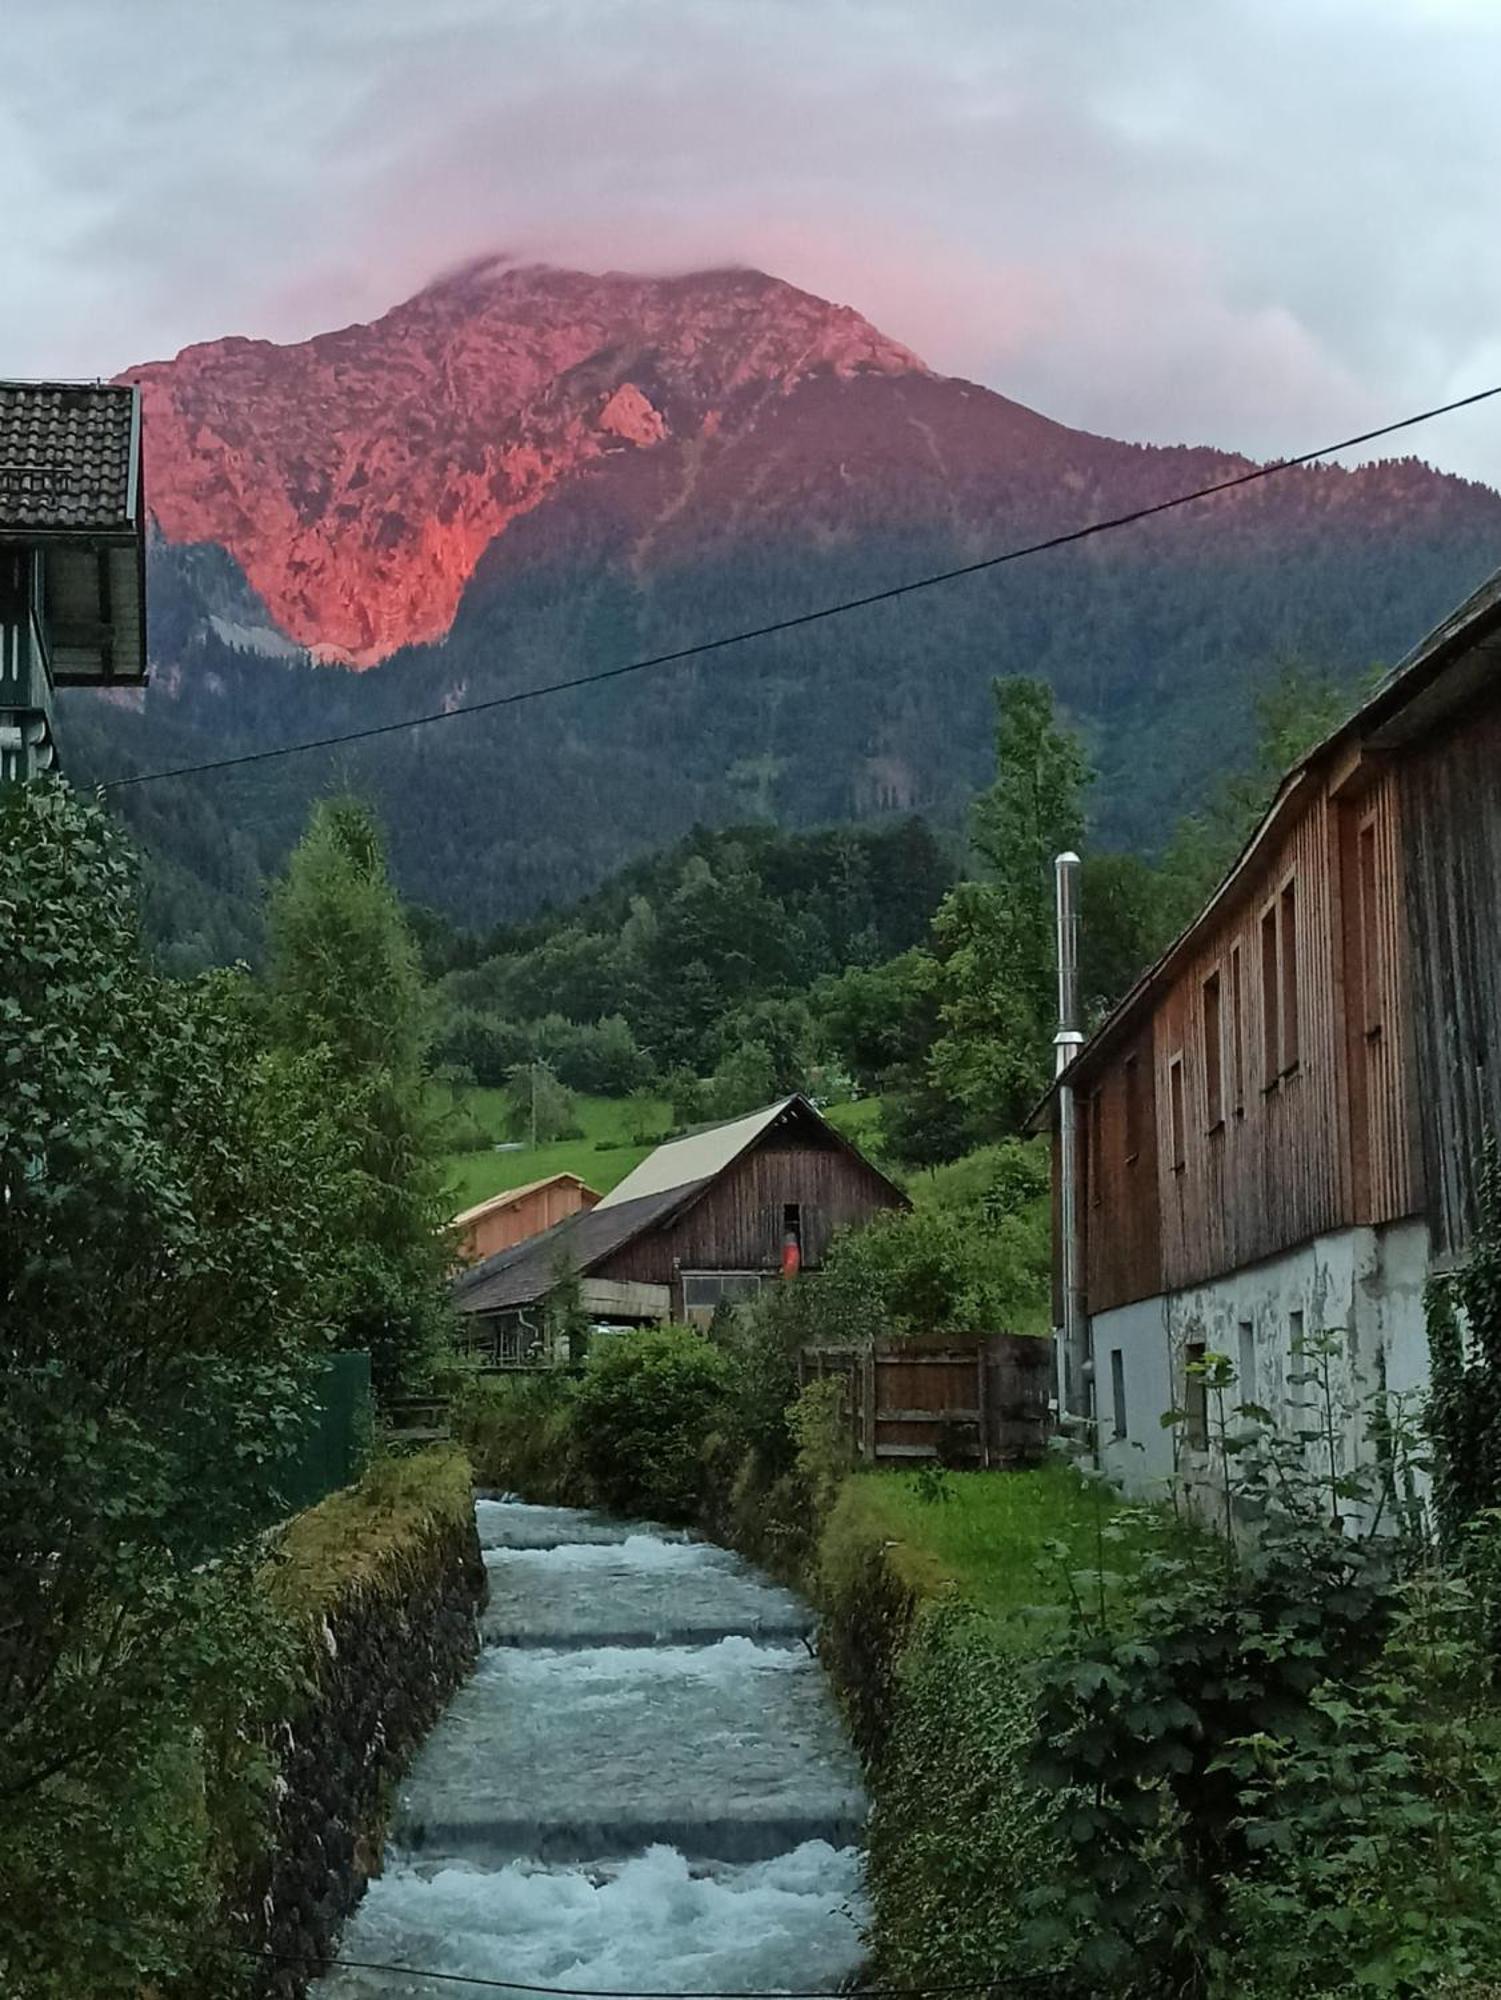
{"points": [[1258, 223]]}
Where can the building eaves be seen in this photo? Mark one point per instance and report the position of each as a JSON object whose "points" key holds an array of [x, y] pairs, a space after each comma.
{"points": [[1407, 691]]}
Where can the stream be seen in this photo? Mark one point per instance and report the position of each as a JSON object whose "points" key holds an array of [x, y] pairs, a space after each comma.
{"points": [[643, 1786]]}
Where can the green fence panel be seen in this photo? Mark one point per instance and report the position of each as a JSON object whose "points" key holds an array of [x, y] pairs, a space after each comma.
{"points": [[336, 1437]]}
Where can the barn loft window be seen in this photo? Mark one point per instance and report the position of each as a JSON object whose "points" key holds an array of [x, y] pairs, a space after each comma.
{"points": [[1370, 932], [1094, 1159], [1288, 942], [1195, 1398], [1271, 1003], [1131, 1070], [1214, 1050], [1237, 1034], [1175, 1103]]}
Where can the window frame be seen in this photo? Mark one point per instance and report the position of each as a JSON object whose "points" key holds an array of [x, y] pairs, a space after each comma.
{"points": [[1195, 1397], [1372, 958], [1212, 1038], [1237, 1031], [1271, 1000], [1287, 963], [1131, 1079], [1119, 1425]]}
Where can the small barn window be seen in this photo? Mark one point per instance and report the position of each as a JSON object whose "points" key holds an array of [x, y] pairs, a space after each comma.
{"points": [[1237, 1034], [1214, 1075], [1175, 1102], [1195, 1398], [1370, 932], [1094, 1161], [1245, 1381], [1289, 949], [1118, 1389], [1131, 1071], [1271, 1001]]}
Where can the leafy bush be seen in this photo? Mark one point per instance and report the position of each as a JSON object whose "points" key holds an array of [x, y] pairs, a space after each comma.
{"points": [[1376, 1836], [961, 1835], [540, 1108], [483, 1044], [519, 1435], [645, 1406]]}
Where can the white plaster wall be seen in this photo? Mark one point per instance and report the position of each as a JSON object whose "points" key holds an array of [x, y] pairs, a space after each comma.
{"points": [[1141, 1462], [1364, 1286]]}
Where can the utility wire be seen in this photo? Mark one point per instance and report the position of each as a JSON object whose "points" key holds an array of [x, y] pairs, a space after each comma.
{"points": [[631, 1993], [802, 618]]}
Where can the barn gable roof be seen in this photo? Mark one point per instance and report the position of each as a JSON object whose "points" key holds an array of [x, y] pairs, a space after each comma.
{"points": [[699, 1156]]}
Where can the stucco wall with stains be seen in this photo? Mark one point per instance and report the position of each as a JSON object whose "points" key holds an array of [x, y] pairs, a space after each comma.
{"points": [[1362, 1288]]}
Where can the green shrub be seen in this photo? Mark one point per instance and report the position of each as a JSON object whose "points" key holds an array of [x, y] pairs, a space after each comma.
{"points": [[646, 1405], [518, 1432], [960, 1836]]}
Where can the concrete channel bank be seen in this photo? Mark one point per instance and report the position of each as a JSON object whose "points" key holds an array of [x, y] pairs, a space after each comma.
{"points": [[644, 1784]]}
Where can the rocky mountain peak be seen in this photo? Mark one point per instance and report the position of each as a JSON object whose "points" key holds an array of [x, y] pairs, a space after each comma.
{"points": [[358, 476]]}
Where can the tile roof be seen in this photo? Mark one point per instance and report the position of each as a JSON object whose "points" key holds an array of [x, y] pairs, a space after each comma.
{"points": [[69, 458]]}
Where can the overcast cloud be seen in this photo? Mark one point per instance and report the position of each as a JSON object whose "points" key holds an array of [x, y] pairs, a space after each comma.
{"points": [[1257, 223]]}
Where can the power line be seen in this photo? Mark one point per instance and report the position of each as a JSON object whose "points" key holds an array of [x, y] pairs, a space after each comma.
{"points": [[802, 618], [629, 1993]]}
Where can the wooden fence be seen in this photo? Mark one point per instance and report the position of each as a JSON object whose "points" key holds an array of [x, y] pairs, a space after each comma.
{"points": [[979, 1401]]}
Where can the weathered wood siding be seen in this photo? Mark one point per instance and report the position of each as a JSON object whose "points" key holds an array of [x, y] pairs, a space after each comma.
{"points": [[737, 1225], [1451, 801], [514, 1221], [1119, 1200], [1267, 1173]]}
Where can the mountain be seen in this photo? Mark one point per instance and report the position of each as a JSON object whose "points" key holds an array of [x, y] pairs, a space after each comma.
{"points": [[524, 474]]}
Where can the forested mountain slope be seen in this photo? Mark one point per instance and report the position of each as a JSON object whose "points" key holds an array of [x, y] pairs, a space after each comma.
{"points": [[525, 474]]}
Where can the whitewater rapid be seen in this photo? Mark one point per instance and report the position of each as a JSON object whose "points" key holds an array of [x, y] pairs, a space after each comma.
{"points": [[644, 1784]]}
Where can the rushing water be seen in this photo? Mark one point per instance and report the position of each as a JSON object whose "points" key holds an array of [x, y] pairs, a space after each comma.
{"points": [[643, 1785]]}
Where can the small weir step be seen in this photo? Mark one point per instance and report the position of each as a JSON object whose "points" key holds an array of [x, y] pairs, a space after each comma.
{"points": [[604, 1750], [643, 1785], [638, 1592]]}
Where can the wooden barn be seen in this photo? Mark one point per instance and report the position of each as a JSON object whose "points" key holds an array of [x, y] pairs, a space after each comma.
{"points": [[1279, 1129], [703, 1219], [517, 1213]]}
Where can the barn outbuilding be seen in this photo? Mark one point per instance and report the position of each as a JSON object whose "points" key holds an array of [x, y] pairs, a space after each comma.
{"points": [[517, 1213], [707, 1218]]}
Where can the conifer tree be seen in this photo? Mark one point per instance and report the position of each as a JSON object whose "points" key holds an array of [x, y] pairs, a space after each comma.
{"points": [[346, 981]]}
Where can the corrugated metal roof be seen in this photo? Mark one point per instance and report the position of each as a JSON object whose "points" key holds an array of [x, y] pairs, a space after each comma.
{"points": [[507, 1196], [526, 1272], [69, 458], [699, 1157]]}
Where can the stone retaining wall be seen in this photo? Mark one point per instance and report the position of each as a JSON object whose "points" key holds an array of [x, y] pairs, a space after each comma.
{"points": [[384, 1658]]}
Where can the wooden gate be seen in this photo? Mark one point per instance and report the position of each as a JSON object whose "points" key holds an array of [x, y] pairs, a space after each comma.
{"points": [[980, 1401]]}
